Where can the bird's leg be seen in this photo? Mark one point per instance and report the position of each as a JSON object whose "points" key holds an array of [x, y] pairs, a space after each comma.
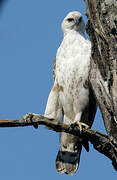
{"points": [[81, 125], [77, 122]]}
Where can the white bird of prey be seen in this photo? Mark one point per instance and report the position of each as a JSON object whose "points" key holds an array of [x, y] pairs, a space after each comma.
{"points": [[71, 97]]}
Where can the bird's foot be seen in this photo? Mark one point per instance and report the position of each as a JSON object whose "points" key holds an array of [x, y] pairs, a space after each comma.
{"points": [[29, 118], [81, 125]]}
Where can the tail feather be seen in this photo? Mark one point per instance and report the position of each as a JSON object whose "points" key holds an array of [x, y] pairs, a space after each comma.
{"points": [[68, 162]]}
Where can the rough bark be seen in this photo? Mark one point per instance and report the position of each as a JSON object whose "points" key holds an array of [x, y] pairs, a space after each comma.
{"points": [[102, 29], [99, 140]]}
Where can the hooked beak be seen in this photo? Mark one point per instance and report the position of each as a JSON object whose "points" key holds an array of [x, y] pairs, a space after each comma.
{"points": [[78, 20]]}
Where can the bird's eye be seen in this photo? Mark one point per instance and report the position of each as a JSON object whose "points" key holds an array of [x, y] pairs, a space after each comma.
{"points": [[70, 19]]}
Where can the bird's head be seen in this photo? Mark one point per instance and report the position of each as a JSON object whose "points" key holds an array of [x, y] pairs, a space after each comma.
{"points": [[73, 21]]}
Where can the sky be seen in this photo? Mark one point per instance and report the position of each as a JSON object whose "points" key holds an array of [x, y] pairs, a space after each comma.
{"points": [[30, 33]]}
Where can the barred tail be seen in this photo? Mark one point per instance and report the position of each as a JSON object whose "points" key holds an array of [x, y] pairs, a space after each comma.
{"points": [[67, 160]]}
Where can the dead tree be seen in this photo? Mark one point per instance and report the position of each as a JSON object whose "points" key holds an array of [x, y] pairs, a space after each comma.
{"points": [[102, 29]]}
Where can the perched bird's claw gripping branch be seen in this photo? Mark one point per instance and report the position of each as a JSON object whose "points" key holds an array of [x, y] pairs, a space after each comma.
{"points": [[99, 140]]}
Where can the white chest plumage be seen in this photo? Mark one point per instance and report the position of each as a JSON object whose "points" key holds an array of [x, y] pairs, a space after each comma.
{"points": [[72, 65], [70, 98]]}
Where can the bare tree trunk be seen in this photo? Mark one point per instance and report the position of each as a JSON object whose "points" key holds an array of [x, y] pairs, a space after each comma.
{"points": [[102, 29]]}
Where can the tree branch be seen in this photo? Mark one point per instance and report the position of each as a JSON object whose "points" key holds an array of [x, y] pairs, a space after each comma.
{"points": [[99, 140]]}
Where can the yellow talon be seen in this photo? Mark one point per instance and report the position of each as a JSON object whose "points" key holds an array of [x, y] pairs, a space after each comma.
{"points": [[30, 117]]}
